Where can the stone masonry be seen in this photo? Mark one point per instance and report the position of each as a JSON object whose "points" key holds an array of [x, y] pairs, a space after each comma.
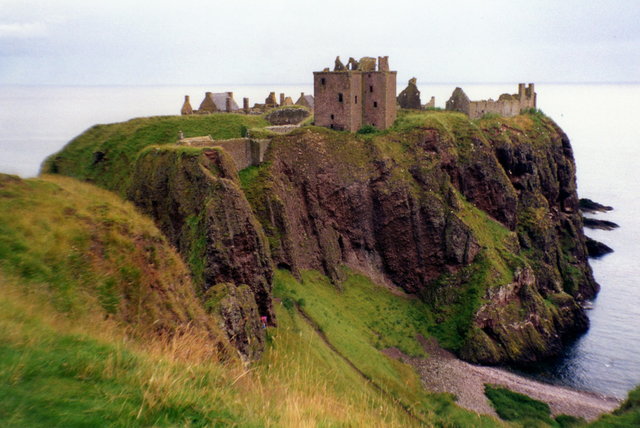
{"points": [[506, 105], [410, 96], [245, 152], [355, 95]]}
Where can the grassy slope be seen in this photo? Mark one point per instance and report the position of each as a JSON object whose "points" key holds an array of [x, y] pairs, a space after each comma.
{"points": [[86, 248], [63, 361], [364, 318]]}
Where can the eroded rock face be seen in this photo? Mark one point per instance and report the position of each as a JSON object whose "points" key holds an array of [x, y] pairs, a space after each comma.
{"points": [[516, 325], [337, 202], [391, 207], [241, 317], [195, 198], [541, 169]]}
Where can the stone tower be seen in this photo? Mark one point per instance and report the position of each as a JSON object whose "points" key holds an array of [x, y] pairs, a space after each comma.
{"points": [[349, 98]]}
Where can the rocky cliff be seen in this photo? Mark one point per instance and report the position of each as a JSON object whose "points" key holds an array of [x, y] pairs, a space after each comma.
{"points": [[409, 207], [195, 198], [478, 218]]}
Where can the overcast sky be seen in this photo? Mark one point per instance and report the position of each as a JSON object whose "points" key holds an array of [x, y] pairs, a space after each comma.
{"points": [[91, 42]]}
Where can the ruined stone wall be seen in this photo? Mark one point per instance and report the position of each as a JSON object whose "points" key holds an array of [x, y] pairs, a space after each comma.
{"points": [[337, 100], [245, 152], [502, 107], [507, 105]]}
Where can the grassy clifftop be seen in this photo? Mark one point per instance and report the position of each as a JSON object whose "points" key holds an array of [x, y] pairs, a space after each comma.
{"points": [[105, 154]]}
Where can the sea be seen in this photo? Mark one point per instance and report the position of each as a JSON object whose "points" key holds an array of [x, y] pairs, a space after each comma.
{"points": [[601, 121]]}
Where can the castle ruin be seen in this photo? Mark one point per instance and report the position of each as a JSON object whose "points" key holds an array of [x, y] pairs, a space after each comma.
{"points": [[355, 95], [506, 105]]}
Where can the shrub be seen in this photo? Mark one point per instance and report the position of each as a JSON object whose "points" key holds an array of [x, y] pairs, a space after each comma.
{"points": [[367, 129]]}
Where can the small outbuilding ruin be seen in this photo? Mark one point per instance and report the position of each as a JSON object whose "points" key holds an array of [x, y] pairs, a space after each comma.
{"points": [[410, 96]]}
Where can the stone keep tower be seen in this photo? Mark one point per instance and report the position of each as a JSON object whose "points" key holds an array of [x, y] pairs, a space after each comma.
{"points": [[350, 97]]}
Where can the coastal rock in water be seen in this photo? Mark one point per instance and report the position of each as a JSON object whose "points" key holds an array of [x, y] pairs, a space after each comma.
{"points": [[195, 198], [593, 223], [597, 249], [589, 206], [516, 325]]}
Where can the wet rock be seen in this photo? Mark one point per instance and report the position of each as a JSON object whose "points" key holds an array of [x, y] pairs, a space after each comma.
{"points": [[589, 206], [597, 249], [593, 223]]}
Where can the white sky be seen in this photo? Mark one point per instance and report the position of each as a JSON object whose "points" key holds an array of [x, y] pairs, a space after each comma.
{"points": [[91, 42]]}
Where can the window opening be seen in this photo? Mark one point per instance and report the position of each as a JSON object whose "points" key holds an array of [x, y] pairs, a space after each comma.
{"points": [[340, 97]]}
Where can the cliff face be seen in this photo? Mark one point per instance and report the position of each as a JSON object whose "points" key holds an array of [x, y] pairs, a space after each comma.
{"points": [[479, 219], [195, 199], [407, 208]]}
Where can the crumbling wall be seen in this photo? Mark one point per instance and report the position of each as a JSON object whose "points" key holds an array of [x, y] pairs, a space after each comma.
{"points": [[379, 99], [245, 152], [506, 105], [186, 107], [287, 116], [346, 99], [410, 96]]}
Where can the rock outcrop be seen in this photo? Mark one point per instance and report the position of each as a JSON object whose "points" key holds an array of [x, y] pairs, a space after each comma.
{"points": [[195, 198]]}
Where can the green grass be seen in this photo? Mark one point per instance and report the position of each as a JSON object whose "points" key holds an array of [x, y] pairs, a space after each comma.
{"points": [[362, 318], [105, 154], [627, 415], [512, 406], [85, 247], [525, 411]]}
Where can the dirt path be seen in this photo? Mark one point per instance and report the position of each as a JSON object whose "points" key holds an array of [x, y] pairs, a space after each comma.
{"points": [[443, 372]]}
